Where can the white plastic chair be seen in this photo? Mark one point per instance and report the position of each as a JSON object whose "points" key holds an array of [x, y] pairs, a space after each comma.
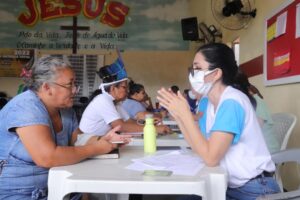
{"points": [[280, 157], [284, 124]]}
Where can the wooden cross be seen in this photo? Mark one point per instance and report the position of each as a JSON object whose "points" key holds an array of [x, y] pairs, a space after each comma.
{"points": [[75, 28]]}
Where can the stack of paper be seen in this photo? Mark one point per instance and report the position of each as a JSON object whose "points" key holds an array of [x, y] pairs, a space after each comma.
{"points": [[179, 162]]}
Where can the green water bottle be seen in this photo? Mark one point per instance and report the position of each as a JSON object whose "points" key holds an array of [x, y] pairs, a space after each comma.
{"points": [[149, 135]]}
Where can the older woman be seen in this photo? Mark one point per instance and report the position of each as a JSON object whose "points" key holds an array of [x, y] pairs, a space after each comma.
{"points": [[228, 133], [37, 129], [105, 111]]}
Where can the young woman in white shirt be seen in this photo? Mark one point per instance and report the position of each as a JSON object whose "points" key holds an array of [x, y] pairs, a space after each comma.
{"points": [[228, 134]]}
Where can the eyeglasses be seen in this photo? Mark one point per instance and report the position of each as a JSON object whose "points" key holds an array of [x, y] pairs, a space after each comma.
{"points": [[70, 86], [192, 70]]}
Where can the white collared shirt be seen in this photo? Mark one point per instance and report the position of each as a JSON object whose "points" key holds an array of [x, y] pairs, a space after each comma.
{"points": [[100, 112]]}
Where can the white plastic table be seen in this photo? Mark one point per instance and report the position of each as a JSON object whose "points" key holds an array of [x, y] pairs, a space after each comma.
{"points": [[171, 123], [111, 176], [174, 139]]}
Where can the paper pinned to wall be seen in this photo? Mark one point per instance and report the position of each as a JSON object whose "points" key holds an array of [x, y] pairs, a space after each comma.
{"points": [[281, 63], [271, 32], [297, 21], [281, 24]]}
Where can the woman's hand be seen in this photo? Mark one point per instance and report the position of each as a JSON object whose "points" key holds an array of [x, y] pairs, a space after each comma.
{"points": [[163, 129], [176, 104], [157, 120], [113, 136]]}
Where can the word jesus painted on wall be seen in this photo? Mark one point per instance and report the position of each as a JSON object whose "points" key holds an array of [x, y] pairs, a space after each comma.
{"points": [[111, 13]]}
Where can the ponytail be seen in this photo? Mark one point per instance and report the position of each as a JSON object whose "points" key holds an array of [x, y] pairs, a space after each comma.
{"points": [[241, 83]]}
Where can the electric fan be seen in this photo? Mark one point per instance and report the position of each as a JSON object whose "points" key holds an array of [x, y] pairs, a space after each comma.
{"points": [[233, 14]]}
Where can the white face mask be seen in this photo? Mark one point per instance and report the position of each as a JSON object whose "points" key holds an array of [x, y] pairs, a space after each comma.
{"points": [[197, 82]]}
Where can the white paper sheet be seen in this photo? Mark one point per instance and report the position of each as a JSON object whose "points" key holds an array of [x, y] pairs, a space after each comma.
{"points": [[297, 21], [281, 24], [179, 162]]}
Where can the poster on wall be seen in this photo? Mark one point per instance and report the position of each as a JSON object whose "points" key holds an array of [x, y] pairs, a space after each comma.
{"points": [[13, 61], [282, 45], [93, 24]]}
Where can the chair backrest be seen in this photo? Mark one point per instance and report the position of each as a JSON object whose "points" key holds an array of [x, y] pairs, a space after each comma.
{"points": [[284, 124]]}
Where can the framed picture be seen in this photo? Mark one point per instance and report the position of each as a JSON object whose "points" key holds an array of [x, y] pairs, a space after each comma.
{"points": [[282, 45], [12, 61]]}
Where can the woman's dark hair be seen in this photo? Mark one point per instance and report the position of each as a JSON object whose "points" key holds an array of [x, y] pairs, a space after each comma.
{"points": [[3, 102], [3, 94], [3, 99], [174, 89], [242, 83], [219, 55], [186, 91], [254, 90], [94, 94], [134, 88], [105, 75]]}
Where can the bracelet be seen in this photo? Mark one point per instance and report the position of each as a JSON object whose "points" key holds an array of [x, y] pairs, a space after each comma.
{"points": [[140, 122]]}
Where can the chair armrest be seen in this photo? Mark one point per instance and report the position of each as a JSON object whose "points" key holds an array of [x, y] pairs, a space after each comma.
{"points": [[289, 155], [285, 195]]}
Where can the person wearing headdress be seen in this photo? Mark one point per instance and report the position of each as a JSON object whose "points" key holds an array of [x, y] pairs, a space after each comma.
{"points": [[105, 111]]}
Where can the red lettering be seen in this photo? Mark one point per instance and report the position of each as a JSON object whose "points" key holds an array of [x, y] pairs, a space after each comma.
{"points": [[115, 15], [72, 8], [88, 10], [49, 10], [29, 19]]}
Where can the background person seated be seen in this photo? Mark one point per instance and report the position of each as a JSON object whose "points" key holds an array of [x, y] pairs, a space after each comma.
{"points": [[192, 100], [265, 120], [262, 112], [105, 110], [134, 104]]}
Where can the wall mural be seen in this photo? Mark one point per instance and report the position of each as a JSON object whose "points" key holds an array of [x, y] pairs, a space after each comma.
{"points": [[93, 24]]}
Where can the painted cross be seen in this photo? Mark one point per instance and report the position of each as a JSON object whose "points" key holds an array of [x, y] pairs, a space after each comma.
{"points": [[75, 28]]}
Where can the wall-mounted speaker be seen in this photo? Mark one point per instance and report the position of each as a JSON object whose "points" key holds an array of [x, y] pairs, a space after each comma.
{"points": [[189, 27]]}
